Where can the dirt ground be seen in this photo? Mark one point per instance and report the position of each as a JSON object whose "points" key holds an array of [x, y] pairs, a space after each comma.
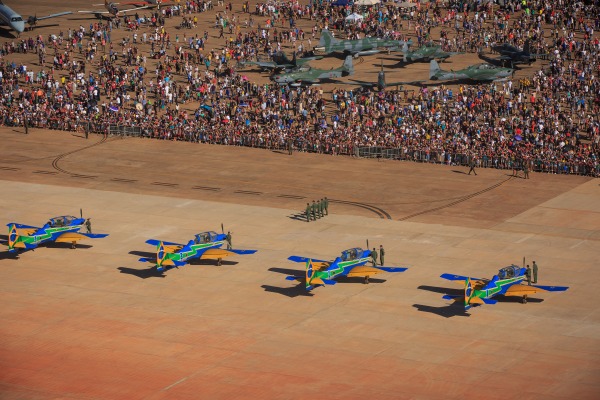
{"points": [[93, 323]]}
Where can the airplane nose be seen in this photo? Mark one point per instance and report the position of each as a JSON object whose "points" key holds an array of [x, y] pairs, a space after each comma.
{"points": [[19, 26]]}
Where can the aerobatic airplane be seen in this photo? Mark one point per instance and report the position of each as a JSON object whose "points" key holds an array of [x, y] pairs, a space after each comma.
{"points": [[507, 282], [204, 246], [64, 229], [350, 263]]}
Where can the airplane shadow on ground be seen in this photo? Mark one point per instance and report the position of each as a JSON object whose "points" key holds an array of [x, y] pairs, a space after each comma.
{"points": [[54, 245], [300, 289], [8, 255], [144, 254], [294, 291], [143, 273], [452, 310]]}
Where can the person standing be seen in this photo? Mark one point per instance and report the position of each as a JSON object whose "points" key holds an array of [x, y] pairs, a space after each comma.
{"points": [[326, 204], [374, 256], [381, 254], [535, 272], [290, 145], [472, 164], [313, 209], [307, 212], [228, 238], [321, 208], [26, 125], [88, 225], [528, 275], [525, 169]]}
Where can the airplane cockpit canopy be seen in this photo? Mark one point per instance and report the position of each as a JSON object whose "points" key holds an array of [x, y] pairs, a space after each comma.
{"points": [[61, 221], [508, 272], [205, 237], [351, 254]]}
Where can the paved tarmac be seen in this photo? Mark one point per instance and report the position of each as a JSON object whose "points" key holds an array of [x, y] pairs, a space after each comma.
{"points": [[93, 323]]}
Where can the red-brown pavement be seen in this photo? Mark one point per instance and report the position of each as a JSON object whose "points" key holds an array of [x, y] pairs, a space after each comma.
{"points": [[92, 323]]}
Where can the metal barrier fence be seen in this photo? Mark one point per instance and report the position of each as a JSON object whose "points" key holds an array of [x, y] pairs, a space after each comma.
{"points": [[498, 162], [124, 130]]}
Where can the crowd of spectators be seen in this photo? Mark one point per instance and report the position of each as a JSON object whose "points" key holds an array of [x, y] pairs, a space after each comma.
{"points": [[173, 84]]}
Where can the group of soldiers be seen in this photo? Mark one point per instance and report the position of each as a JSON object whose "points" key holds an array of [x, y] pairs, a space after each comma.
{"points": [[317, 209]]}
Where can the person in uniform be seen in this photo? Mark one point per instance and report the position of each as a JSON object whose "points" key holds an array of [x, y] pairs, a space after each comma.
{"points": [[528, 275], [88, 225], [322, 208], [228, 238], [525, 169], [326, 204], [374, 256], [313, 209], [535, 272], [307, 212], [381, 254]]}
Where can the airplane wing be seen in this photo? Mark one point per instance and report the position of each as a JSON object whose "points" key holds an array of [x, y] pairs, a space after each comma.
{"points": [[25, 230], [523, 290], [69, 237], [168, 245], [54, 15], [299, 259], [452, 277], [93, 12]]}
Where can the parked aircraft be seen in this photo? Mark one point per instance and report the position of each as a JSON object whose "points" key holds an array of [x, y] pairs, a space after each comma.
{"points": [[359, 47], [350, 263], [281, 62], [205, 245], [507, 282], [426, 53], [15, 22], [381, 83], [314, 75], [64, 229], [513, 55], [479, 72]]}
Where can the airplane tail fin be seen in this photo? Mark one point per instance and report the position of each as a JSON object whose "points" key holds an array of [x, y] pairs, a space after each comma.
{"points": [[468, 293], [327, 41], [348, 66], [13, 236], [434, 68], [160, 254]]}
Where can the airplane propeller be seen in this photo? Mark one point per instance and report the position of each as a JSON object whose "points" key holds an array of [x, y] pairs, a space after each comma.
{"points": [[32, 20], [222, 229]]}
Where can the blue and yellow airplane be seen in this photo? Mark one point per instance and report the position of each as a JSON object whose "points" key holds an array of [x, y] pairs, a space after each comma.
{"points": [[64, 229], [350, 263], [204, 246], [508, 282]]}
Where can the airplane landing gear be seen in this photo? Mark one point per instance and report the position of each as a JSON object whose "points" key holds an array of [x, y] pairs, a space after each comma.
{"points": [[525, 299], [218, 262], [73, 245], [367, 280]]}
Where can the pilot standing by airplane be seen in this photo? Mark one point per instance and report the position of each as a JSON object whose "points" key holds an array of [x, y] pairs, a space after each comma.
{"points": [[307, 212], [528, 275], [88, 225], [374, 256], [535, 272], [381, 254], [228, 239]]}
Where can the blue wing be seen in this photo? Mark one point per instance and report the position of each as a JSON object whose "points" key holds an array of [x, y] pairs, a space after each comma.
{"points": [[155, 242], [299, 259], [21, 226], [94, 235], [242, 251], [552, 288], [393, 269], [452, 277]]}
